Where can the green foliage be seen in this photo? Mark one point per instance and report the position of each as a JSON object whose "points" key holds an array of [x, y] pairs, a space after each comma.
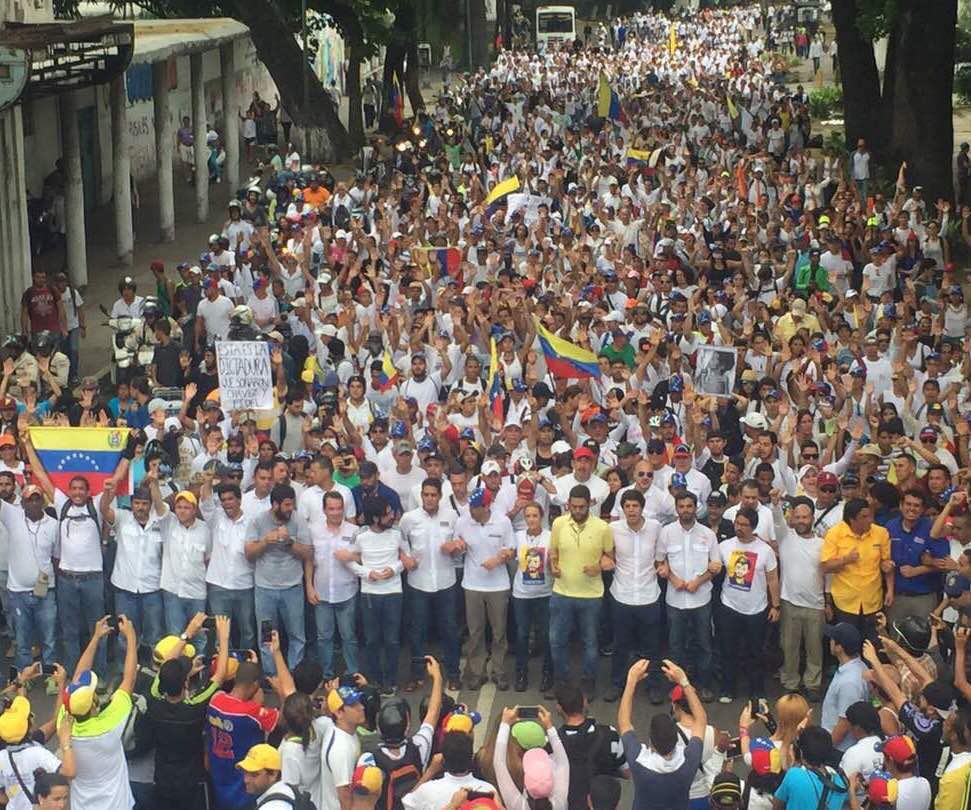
{"points": [[962, 84], [962, 44], [875, 18], [824, 101], [835, 141]]}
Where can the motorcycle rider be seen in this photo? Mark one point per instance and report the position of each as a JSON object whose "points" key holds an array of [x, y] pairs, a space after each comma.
{"points": [[45, 351], [152, 313], [129, 304]]}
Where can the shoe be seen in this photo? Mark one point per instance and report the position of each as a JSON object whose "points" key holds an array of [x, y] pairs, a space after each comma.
{"points": [[706, 695], [550, 692], [655, 695], [546, 683], [813, 695], [474, 682], [521, 681], [454, 684], [389, 690], [502, 682], [726, 698], [588, 686], [612, 694], [607, 650]]}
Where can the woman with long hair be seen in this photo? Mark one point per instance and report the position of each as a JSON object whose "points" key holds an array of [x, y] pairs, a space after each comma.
{"points": [[791, 714], [300, 748], [51, 790]]}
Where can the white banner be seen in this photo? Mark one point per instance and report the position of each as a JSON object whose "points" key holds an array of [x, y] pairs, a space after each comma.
{"points": [[531, 202], [245, 375]]}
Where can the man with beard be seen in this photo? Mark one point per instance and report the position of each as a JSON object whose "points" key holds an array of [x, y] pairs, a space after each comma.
{"points": [[278, 545]]}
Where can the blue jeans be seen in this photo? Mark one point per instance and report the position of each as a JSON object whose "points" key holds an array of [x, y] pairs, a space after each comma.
{"points": [[144, 610], [282, 605], [178, 611], [382, 632], [637, 634], [443, 606], [34, 615], [238, 605], [529, 612], [341, 616], [81, 601], [565, 613], [690, 642], [71, 346]]}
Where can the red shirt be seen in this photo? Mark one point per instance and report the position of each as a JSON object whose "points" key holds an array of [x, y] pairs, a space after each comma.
{"points": [[41, 303]]}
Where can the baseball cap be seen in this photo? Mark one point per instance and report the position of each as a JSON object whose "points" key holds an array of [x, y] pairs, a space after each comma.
{"points": [[261, 757], [682, 450], [625, 449], [826, 479], [157, 404], [368, 778], [846, 635], [15, 720], [940, 696], [726, 790], [343, 696], [79, 694], [403, 446], [491, 467], [186, 495], [7, 440], [766, 758], [928, 433], [166, 646], [582, 452], [529, 734], [900, 748], [537, 773], [754, 420], [849, 479], [30, 490], [717, 498], [882, 789], [480, 498]]}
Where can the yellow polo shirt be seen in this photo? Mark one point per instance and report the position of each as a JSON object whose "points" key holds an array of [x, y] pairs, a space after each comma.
{"points": [[579, 546], [858, 585]]}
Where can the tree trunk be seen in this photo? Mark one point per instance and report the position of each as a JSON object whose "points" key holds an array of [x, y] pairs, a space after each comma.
{"points": [[278, 49], [859, 76], [412, 76], [394, 62], [479, 35], [923, 78], [355, 112]]}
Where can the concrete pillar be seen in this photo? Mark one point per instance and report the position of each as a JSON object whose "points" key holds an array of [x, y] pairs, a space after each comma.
{"points": [[164, 144], [124, 231], [77, 255], [199, 138], [14, 233], [227, 64]]}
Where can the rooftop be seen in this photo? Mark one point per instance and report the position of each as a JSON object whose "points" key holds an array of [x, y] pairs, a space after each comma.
{"points": [[156, 40]]}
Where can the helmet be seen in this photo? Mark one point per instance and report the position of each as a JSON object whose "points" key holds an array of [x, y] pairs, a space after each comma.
{"points": [[242, 315], [127, 283], [44, 343], [393, 721], [151, 306], [913, 633]]}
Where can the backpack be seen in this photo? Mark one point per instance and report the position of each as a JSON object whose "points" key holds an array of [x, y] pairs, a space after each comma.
{"points": [[300, 801], [400, 776], [92, 513]]}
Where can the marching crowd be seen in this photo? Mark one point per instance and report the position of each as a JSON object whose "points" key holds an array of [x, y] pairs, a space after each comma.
{"points": [[606, 354]]}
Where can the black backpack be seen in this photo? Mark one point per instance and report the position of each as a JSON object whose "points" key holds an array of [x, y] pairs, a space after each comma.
{"points": [[400, 776], [92, 513], [301, 799]]}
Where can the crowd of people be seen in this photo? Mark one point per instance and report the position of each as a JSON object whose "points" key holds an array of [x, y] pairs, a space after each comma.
{"points": [[693, 396]]}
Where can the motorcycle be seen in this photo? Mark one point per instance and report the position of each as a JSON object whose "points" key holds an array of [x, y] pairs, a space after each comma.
{"points": [[129, 356], [40, 225]]}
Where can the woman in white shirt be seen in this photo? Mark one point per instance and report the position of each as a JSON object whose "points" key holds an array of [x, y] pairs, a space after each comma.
{"points": [[532, 587], [546, 777], [300, 750]]}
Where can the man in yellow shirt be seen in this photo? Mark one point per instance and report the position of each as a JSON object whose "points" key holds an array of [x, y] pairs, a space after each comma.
{"points": [[795, 319], [857, 554], [581, 546], [954, 789]]}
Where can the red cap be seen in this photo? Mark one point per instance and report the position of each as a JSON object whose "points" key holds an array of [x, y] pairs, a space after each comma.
{"points": [[826, 479], [7, 440], [900, 749], [156, 265], [582, 452]]}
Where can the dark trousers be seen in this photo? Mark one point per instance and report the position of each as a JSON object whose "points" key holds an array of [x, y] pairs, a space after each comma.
{"points": [[866, 623], [382, 631], [637, 634], [689, 631], [442, 605], [531, 613], [743, 639]]}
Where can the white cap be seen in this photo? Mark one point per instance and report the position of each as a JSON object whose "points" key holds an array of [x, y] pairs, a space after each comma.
{"points": [[491, 466], [341, 234], [560, 446], [328, 329], [755, 421]]}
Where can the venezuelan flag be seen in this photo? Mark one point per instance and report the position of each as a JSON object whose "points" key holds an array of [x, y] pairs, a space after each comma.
{"points": [[448, 260], [638, 157], [91, 452], [608, 102], [389, 373], [494, 386], [500, 190], [396, 100], [565, 359]]}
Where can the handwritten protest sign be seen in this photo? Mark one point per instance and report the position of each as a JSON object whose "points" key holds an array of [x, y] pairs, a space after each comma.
{"points": [[245, 375]]}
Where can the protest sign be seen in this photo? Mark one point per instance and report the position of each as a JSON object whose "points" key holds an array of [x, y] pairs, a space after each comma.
{"points": [[245, 375]]}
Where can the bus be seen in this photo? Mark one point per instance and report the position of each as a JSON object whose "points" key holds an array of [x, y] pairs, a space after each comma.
{"points": [[555, 25]]}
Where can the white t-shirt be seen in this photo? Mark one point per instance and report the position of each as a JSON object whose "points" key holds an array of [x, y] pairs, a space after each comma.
{"points": [[435, 795], [913, 793], [802, 579], [301, 767], [338, 758], [80, 536], [27, 758], [31, 547], [533, 577], [862, 758], [102, 779], [215, 315], [745, 590]]}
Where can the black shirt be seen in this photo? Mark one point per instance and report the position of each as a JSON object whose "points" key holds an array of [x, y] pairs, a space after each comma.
{"points": [[593, 749], [168, 372], [175, 730]]}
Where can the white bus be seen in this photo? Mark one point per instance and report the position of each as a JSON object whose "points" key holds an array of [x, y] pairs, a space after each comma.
{"points": [[555, 25]]}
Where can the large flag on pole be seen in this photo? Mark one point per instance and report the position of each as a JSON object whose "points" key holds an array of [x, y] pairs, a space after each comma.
{"points": [[397, 100], [90, 452], [608, 102], [566, 359]]}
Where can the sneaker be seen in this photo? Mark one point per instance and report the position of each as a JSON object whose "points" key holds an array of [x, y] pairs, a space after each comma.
{"points": [[502, 682], [546, 683], [389, 690], [612, 694], [726, 698], [607, 650], [706, 695], [521, 681]]}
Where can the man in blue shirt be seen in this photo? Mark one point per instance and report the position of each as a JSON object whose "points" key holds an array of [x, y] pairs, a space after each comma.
{"points": [[848, 685], [916, 581], [371, 486]]}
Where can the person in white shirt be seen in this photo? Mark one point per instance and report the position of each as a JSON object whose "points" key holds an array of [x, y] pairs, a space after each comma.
{"points": [[803, 605], [532, 587], [691, 559], [229, 575], [900, 761], [137, 573], [320, 476], [456, 774], [331, 584], [405, 474], [751, 585], [341, 749], [30, 582], [865, 756], [429, 535], [658, 503], [381, 556], [635, 595], [487, 540], [212, 314], [186, 547], [583, 468]]}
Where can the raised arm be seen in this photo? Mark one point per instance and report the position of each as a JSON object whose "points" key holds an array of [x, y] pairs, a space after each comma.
{"points": [[86, 661], [625, 710], [40, 476]]}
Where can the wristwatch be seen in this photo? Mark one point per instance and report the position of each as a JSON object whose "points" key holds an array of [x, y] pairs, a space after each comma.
{"points": [[684, 683], [183, 637]]}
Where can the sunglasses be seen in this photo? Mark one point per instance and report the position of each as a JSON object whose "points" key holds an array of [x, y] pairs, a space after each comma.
{"points": [[827, 489], [645, 475], [808, 456]]}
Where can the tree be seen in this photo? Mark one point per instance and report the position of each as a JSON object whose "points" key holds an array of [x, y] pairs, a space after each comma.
{"points": [[910, 117]]}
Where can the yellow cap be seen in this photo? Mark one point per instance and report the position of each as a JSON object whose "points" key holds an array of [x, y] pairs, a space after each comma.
{"points": [[307, 375], [165, 648], [15, 720], [185, 495], [260, 757]]}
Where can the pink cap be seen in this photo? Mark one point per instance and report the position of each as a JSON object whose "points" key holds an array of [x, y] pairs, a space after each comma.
{"points": [[538, 773]]}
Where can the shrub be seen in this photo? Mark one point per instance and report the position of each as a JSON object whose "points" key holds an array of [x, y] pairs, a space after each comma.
{"points": [[962, 83], [825, 101]]}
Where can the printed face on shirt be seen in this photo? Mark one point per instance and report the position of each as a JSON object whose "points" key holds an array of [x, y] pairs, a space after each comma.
{"points": [[741, 569]]}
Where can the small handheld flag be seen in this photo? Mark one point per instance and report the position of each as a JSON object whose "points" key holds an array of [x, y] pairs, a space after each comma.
{"points": [[566, 359], [448, 260], [500, 190], [389, 373], [608, 102]]}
